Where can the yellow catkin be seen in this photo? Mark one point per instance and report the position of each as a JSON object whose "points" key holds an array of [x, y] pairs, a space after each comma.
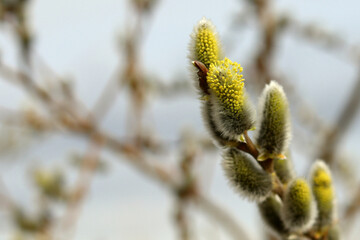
{"points": [[226, 82], [299, 211], [207, 46], [323, 192]]}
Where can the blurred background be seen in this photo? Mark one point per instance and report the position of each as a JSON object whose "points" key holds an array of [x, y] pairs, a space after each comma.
{"points": [[101, 134]]}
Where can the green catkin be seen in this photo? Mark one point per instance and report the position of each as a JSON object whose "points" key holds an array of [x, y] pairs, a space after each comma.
{"points": [[245, 175], [323, 191], [274, 130], [299, 209], [30, 224], [232, 111], [50, 183], [270, 211], [284, 169]]}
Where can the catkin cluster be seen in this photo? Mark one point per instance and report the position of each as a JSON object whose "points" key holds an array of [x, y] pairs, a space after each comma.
{"points": [[260, 171]]}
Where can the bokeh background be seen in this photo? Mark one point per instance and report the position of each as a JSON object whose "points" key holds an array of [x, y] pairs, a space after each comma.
{"points": [[120, 110]]}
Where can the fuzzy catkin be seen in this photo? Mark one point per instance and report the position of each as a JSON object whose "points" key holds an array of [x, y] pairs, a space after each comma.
{"points": [[245, 175], [299, 209], [284, 169], [323, 191], [233, 112], [274, 130], [270, 210], [205, 45]]}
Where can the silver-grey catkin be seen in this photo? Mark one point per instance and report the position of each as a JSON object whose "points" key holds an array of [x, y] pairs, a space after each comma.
{"points": [[245, 175]]}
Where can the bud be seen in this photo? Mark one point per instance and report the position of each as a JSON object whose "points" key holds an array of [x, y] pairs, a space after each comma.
{"points": [[270, 210], [284, 169], [323, 191], [299, 208], [205, 46], [246, 175], [232, 111], [274, 130], [50, 183], [31, 223]]}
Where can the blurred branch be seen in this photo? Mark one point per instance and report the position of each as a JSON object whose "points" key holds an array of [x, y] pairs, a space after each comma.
{"points": [[28, 85], [181, 219], [164, 176], [352, 208], [82, 187], [268, 28], [106, 99], [14, 13], [169, 180], [224, 219], [5, 199], [346, 117], [327, 39]]}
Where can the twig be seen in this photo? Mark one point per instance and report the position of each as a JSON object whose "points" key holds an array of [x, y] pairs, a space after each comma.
{"points": [[181, 219], [5, 198], [352, 208], [107, 97], [251, 145], [90, 162]]}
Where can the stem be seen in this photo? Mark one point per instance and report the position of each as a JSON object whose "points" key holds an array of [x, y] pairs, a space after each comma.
{"points": [[251, 145], [267, 165], [279, 188]]}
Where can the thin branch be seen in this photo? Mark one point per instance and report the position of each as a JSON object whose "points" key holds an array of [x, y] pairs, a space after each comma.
{"points": [[181, 220], [82, 187], [106, 99], [5, 198], [352, 208]]}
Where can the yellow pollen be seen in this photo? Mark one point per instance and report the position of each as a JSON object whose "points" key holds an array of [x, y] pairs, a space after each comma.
{"points": [[207, 46], [225, 80]]}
